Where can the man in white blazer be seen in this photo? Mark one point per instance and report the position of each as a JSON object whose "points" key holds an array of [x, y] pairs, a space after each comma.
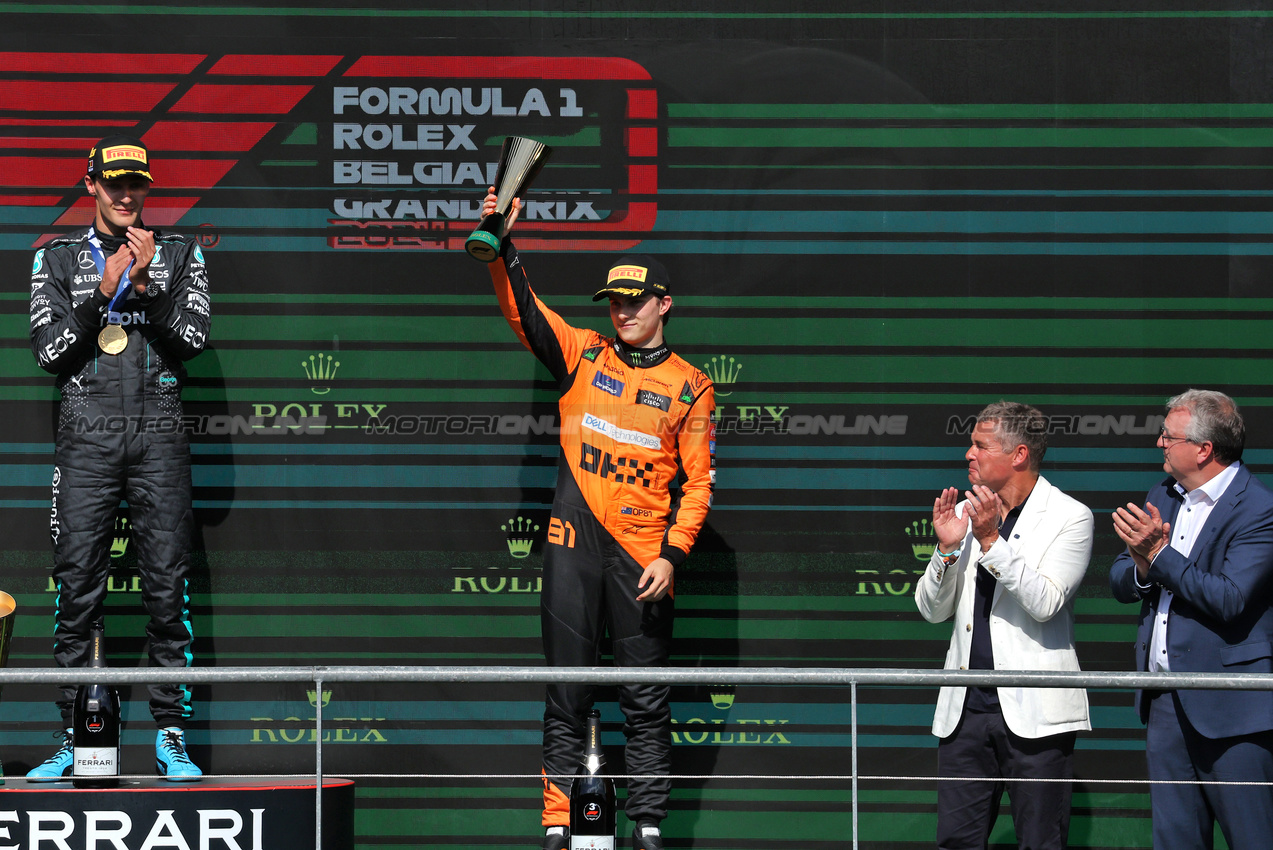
{"points": [[1008, 564]]}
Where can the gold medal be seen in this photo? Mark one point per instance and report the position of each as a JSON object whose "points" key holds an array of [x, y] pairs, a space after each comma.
{"points": [[113, 339]]}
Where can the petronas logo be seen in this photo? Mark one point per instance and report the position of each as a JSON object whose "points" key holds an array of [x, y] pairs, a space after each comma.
{"points": [[923, 539], [320, 368], [724, 372], [521, 536]]}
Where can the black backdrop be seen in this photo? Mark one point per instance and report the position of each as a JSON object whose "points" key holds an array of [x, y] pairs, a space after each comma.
{"points": [[878, 218]]}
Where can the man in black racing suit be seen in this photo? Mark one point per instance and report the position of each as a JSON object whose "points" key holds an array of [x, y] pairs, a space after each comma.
{"points": [[115, 310]]}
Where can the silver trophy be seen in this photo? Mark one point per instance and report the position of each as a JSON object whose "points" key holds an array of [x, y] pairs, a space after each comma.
{"points": [[519, 162]]}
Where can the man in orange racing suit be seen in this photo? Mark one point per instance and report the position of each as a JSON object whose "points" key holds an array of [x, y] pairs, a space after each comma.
{"points": [[635, 419]]}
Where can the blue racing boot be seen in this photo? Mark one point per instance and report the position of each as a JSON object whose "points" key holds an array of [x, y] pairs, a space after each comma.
{"points": [[171, 761], [58, 765]]}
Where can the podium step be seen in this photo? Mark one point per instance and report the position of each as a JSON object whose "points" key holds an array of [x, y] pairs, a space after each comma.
{"points": [[248, 812]]}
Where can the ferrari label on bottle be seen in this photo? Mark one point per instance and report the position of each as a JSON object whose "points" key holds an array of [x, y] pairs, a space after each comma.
{"points": [[96, 761]]}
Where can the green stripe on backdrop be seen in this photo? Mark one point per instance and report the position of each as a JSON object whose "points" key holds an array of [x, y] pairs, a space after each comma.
{"points": [[969, 137], [687, 16], [836, 329], [288, 394], [525, 624], [971, 111], [580, 306]]}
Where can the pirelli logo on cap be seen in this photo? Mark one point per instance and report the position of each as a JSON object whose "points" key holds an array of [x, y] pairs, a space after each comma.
{"points": [[636, 273], [118, 152]]}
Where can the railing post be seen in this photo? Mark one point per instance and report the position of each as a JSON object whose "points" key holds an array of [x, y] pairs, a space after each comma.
{"points": [[318, 762], [853, 738]]}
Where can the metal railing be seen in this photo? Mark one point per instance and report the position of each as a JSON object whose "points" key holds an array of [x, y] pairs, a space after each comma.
{"points": [[849, 677]]}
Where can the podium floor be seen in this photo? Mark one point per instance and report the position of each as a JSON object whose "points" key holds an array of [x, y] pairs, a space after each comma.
{"points": [[247, 812]]}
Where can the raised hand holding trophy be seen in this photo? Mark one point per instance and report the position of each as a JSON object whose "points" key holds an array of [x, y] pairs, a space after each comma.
{"points": [[519, 162]]}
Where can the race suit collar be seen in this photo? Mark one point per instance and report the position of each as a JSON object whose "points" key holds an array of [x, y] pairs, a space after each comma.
{"points": [[642, 358], [109, 242]]}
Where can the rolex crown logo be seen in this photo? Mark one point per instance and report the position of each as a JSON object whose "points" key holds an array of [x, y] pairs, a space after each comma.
{"points": [[923, 539], [521, 533], [320, 369], [722, 699], [312, 696], [724, 372]]}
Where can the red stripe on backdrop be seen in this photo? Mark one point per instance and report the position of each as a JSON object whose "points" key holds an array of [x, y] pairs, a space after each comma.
{"points": [[643, 179], [507, 67], [41, 172], [104, 126], [246, 100], [66, 96], [643, 141], [190, 173], [275, 66], [30, 200], [99, 63], [158, 213], [205, 135], [643, 103], [33, 143]]}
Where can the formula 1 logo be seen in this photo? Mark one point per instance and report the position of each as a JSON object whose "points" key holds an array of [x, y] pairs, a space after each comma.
{"points": [[416, 139]]}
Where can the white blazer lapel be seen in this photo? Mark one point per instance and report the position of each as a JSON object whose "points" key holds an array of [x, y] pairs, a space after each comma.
{"points": [[1023, 539]]}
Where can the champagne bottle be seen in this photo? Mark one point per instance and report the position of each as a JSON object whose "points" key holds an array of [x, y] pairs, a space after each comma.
{"points": [[592, 814], [95, 720]]}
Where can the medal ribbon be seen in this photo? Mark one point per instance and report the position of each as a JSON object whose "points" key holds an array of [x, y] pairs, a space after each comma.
{"points": [[112, 315]]}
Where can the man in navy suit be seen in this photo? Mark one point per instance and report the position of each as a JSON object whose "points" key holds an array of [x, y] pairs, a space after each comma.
{"points": [[1199, 560]]}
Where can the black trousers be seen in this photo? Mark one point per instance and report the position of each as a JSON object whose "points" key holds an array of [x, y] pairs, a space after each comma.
{"points": [[590, 588], [983, 746], [1185, 814], [93, 473]]}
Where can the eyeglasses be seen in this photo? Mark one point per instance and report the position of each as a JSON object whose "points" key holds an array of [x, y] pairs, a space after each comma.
{"points": [[1169, 439]]}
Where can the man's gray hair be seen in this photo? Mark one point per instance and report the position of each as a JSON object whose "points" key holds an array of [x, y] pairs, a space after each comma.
{"points": [[1213, 418], [1018, 424]]}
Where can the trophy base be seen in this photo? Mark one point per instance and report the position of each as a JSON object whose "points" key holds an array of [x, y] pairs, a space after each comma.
{"points": [[482, 246]]}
